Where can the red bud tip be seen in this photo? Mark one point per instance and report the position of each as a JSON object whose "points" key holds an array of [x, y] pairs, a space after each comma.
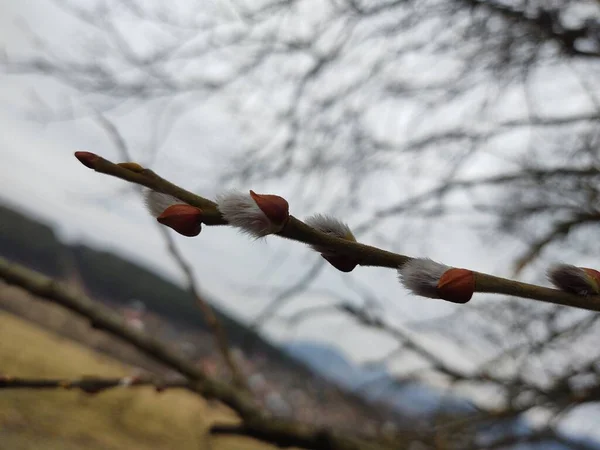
{"points": [[456, 285], [134, 167], [276, 208], [341, 263], [88, 159], [594, 277], [185, 219]]}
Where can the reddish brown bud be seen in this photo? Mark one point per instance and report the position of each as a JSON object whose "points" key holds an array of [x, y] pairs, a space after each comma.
{"points": [[456, 285], [88, 159], [276, 208], [134, 167], [594, 277], [340, 262], [185, 219]]}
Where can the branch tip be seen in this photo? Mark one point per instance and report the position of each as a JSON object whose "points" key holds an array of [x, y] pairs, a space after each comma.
{"points": [[88, 159]]}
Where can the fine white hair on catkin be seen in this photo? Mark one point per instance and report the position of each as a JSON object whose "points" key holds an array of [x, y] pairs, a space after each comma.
{"points": [[157, 202], [329, 225], [569, 278], [421, 276], [241, 211]]}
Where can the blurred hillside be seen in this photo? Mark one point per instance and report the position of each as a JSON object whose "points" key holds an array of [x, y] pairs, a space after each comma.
{"points": [[119, 419], [284, 383], [113, 279]]}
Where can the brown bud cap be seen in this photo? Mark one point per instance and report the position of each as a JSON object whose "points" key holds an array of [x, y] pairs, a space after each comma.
{"points": [[134, 167], [340, 262], [88, 159], [185, 219], [594, 276], [276, 208], [456, 285]]}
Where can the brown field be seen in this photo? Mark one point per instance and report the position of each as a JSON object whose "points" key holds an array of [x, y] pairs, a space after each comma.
{"points": [[132, 419]]}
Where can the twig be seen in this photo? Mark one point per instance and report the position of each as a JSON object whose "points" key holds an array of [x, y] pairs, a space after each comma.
{"points": [[306, 437], [365, 255], [90, 385]]}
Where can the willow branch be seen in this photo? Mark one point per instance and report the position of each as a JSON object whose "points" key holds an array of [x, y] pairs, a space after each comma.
{"points": [[365, 255], [271, 430]]}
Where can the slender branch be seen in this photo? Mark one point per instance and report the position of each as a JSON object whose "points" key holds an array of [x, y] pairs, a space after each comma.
{"points": [[559, 230], [546, 175], [280, 432], [321, 439], [365, 255], [90, 385]]}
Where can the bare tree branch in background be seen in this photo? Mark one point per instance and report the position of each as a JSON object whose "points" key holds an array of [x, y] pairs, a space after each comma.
{"points": [[91, 384]]}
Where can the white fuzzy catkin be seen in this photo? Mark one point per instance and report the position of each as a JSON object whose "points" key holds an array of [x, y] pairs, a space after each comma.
{"points": [[241, 211], [569, 278], [330, 225], [157, 202], [421, 276]]}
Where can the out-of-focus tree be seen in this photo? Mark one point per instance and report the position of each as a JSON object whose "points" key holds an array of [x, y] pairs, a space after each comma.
{"points": [[383, 111]]}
